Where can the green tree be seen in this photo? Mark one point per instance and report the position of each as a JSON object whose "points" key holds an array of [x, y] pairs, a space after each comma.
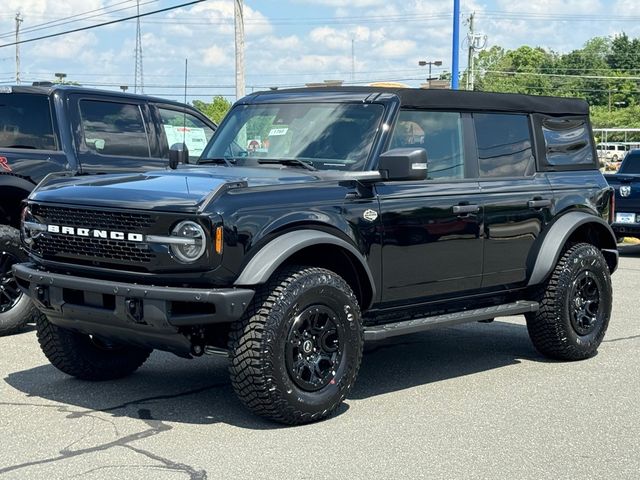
{"points": [[216, 110], [515, 71]]}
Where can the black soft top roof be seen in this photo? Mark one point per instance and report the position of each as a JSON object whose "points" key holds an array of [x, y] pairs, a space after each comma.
{"points": [[435, 99]]}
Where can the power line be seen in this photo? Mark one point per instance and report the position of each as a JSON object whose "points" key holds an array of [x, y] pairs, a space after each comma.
{"points": [[89, 27], [564, 75], [41, 26]]}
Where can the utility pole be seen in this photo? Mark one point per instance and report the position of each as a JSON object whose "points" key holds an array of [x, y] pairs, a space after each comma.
{"points": [[138, 82], [18, 22], [476, 42], [239, 29], [470, 54]]}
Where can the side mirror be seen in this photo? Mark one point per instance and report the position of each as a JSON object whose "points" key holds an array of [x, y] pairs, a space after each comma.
{"points": [[403, 164], [178, 153]]}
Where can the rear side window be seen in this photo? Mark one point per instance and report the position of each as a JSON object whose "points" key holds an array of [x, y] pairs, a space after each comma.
{"points": [[567, 141], [25, 122], [504, 145], [112, 128]]}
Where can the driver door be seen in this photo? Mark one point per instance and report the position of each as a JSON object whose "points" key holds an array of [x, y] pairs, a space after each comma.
{"points": [[432, 242]]}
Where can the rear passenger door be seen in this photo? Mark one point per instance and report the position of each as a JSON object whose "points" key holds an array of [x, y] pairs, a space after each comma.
{"points": [[115, 135], [432, 244], [516, 199]]}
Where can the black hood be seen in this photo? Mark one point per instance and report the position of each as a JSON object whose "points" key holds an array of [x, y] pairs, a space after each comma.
{"points": [[182, 190]]}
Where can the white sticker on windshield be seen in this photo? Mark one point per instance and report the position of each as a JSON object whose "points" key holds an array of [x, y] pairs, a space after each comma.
{"points": [[278, 131]]}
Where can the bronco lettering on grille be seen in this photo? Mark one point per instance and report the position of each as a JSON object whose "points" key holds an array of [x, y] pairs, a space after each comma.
{"points": [[87, 232]]}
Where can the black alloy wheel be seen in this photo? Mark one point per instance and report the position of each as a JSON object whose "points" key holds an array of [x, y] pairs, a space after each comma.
{"points": [[586, 303], [10, 294], [314, 348]]}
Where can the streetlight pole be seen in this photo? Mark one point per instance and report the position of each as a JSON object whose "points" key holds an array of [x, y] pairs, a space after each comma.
{"points": [[60, 76], [437, 63]]}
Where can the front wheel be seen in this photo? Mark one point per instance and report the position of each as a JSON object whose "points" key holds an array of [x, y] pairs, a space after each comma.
{"points": [[296, 352], [16, 309], [575, 306], [86, 357]]}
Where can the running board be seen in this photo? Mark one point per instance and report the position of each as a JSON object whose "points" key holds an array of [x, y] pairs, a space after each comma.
{"points": [[379, 332]]}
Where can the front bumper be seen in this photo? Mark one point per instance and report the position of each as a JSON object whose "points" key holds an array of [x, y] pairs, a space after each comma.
{"points": [[626, 229], [142, 314]]}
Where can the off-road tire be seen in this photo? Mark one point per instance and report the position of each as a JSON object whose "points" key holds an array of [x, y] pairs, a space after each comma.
{"points": [[80, 356], [23, 311], [551, 328], [259, 343]]}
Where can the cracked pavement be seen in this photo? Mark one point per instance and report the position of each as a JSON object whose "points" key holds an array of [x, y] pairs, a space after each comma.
{"points": [[474, 401]]}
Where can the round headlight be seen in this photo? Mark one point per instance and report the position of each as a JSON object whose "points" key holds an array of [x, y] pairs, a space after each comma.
{"points": [[194, 243]]}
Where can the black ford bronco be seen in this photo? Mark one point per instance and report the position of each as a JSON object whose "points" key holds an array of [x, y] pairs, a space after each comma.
{"points": [[58, 128], [318, 219]]}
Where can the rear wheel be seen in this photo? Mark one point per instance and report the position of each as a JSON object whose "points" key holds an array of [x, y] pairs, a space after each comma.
{"points": [[16, 309], [86, 357], [297, 350], [575, 306]]}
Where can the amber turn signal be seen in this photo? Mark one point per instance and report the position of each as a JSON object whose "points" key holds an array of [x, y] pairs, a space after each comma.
{"points": [[219, 240]]}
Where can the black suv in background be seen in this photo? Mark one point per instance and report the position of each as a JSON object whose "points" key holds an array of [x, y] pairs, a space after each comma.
{"points": [[57, 129], [318, 219]]}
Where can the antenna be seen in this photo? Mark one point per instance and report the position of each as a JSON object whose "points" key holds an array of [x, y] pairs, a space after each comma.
{"points": [[184, 112], [138, 82], [353, 60]]}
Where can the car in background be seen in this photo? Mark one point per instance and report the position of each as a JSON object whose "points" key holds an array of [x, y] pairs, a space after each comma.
{"points": [[626, 182], [57, 130]]}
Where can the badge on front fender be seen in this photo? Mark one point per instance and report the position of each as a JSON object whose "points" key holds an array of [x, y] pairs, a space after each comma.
{"points": [[625, 190], [370, 215]]}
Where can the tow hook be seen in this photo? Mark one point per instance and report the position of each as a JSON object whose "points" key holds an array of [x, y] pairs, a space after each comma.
{"points": [[42, 294], [134, 309]]}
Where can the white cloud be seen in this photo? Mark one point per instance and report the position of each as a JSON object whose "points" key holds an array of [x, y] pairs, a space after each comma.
{"points": [[214, 56], [66, 47], [351, 3], [396, 48]]}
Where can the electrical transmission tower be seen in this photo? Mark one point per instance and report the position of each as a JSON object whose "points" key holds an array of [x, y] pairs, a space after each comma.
{"points": [[18, 22], [138, 82]]}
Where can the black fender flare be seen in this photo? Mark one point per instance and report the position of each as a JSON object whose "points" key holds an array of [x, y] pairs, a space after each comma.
{"points": [[272, 255], [9, 180], [556, 238]]}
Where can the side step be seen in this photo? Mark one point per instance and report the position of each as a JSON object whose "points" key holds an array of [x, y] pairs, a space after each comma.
{"points": [[379, 332]]}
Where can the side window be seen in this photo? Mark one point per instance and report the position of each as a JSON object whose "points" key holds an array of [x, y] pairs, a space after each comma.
{"points": [[440, 134], [182, 127], [504, 145], [567, 141], [112, 128], [25, 122]]}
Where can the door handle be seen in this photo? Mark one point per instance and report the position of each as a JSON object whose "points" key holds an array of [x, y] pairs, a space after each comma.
{"points": [[466, 209], [539, 203]]}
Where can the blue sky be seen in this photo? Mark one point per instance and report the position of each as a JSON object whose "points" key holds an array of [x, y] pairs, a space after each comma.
{"points": [[289, 42]]}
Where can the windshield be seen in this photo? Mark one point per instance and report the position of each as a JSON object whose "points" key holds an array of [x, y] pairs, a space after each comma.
{"points": [[335, 136], [631, 164]]}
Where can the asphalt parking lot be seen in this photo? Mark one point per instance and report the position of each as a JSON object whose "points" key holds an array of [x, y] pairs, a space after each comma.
{"points": [[475, 401]]}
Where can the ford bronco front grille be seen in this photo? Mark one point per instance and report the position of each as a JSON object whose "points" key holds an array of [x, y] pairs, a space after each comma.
{"points": [[96, 248], [80, 217], [91, 249]]}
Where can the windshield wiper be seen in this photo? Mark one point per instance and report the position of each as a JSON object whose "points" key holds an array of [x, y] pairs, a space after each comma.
{"points": [[290, 162], [219, 160]]}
